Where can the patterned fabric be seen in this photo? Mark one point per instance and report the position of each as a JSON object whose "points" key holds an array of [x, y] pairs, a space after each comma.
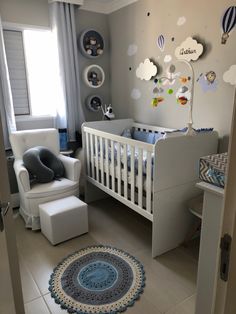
{"points": [[98, 279], [213, 169]]}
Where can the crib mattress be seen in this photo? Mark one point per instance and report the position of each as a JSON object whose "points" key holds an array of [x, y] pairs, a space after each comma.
{"points": [[212, 169]]}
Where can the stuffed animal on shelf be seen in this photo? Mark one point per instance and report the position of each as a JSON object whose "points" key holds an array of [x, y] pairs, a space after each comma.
{"points": [[93, 48], [93, 78]]}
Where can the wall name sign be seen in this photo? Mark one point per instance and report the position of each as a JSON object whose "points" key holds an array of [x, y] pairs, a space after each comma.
{"points": [[189, 50]]}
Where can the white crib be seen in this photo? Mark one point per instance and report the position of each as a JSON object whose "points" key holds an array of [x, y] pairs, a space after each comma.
{"points": [[171, 172]]}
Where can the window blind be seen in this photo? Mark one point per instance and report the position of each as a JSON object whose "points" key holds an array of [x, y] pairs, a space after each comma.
{"points": [[17, 71]]}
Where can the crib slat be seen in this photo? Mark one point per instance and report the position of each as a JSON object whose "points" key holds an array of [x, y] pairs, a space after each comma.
{"points": [[132, 174], [96, 157], [102, 160], [118, 169], [148, 182], [140, 177], [107, 164], [112, 167], [92, 154], [87, 154], [125, 173]]}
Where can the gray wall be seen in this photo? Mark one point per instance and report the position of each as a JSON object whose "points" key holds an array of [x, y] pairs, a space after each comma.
{"points": [[131, 25], [89, 20], [31, 12]]}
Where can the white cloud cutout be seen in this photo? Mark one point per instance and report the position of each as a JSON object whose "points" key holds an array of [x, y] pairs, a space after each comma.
{"points": [[132, 50], [167, 58], [189, 50], [135, 94], [146, 70], [181, 21], [230, 75]]}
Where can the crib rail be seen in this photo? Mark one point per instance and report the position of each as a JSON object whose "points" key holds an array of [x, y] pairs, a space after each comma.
{"points": [[116, 165]]}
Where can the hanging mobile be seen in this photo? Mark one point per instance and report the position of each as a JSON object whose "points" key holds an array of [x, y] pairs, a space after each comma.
{"points": [[156, 93]]}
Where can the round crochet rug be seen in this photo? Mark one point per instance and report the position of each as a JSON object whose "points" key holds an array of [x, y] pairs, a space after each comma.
{"points": [[97, 279]]}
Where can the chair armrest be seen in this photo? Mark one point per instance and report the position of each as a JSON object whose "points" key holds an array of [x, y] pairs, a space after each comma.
{"points": [[72, 167], [22, 175]]}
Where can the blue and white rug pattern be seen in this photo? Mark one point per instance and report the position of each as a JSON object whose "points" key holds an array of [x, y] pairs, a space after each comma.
{"points": [[97, 279]]}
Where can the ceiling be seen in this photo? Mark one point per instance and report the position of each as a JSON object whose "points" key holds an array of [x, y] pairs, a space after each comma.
{"points": [[105, 6]]}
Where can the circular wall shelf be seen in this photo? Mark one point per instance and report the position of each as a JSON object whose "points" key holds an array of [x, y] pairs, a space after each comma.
{"points": [[94, 103], [91, 43], [94, 76]]}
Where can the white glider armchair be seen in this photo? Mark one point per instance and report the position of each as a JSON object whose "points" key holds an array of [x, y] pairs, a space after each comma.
{"points": [[38, 193]]}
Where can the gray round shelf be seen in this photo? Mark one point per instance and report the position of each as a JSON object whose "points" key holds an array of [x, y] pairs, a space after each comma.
{"points": [[91, 44]]}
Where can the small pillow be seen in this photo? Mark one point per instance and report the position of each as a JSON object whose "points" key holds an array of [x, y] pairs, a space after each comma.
{"points": [[147, 137], [127, 133], [43, 164]]}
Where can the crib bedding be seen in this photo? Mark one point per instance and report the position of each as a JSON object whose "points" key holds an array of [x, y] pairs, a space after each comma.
{"points": [[136, 158], [212, 169], [122, 173]]}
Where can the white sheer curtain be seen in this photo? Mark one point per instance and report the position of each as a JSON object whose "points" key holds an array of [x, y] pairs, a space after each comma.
{"points": [[63, 25], [6, 103]]}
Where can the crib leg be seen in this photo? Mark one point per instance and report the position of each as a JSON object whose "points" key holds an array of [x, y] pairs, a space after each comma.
{"points": [[93, 193]]}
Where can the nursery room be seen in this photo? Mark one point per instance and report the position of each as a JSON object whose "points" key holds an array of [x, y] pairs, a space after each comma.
{"points": [[118, 157]]}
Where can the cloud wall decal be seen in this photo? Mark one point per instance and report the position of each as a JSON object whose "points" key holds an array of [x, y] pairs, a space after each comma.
{"points": [[230, 75], [146, 70], [135, 94], [189, 50], [181, 21], [132, 50]]}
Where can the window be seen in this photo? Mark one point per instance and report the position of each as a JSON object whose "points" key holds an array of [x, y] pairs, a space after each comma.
{"points": [[34, 72], [17, 71]]}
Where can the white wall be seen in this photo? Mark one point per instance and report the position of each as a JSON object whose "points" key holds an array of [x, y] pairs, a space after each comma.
{"points": [[132, 25]]}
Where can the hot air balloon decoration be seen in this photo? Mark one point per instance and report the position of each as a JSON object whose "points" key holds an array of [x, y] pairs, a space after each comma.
{"points": [[228, 23], [161, 42]]}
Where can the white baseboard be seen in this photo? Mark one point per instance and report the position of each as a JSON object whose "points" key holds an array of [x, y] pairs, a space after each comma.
{"points": [[15, 200]]}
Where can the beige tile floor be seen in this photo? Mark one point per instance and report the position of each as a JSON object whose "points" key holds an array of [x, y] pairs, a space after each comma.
{"points": [[171, 278]]}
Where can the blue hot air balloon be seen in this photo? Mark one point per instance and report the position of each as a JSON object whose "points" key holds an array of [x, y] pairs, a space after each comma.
{"points": [[161, 42], [228, 23]]}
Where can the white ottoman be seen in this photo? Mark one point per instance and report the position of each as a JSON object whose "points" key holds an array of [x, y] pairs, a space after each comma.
{"points": [[63, 219]]}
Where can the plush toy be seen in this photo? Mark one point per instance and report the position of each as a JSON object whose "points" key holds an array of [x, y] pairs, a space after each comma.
{"points": [[93, 78], [93, 48], [96, 103]]}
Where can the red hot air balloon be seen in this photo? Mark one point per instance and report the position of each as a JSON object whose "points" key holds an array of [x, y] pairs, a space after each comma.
{"points": [[228, 23]]}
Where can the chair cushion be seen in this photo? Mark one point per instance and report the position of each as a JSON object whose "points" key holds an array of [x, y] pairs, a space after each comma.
{"points": [[43, 164], [55, 187], [23, 140]]}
